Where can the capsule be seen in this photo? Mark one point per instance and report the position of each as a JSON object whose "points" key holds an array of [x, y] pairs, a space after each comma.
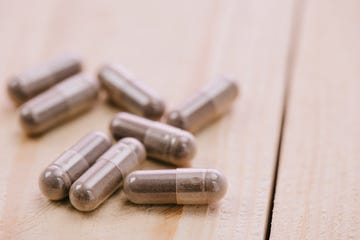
{"points": [[162, 142], [204, 107], [55, 181], [175, 186], [61, 102], [127, 92], [107, 174], [36, 80]]}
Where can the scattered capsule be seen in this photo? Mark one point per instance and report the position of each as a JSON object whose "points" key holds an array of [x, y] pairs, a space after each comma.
{"points": [[55, 181], [127, 92], [35, 80], [162, 142], [107, 174], [204, 107], [176, 186], [61, 102]]}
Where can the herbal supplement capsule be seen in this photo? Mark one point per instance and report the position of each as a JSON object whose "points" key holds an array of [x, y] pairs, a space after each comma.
{"points": [[127, 92], [35, 80], [107, 174], [162, 142], [179, 186], [61, 102], [55, 181], [204, 107]]}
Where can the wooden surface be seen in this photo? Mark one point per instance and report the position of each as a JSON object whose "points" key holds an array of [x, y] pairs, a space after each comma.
{"points": [[296, 123], [318, 187]]}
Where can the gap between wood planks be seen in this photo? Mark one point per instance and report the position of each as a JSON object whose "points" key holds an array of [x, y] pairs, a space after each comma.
{"points": [[296, 27]]}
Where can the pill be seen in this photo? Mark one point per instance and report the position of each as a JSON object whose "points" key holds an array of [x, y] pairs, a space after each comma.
{"points": [[162, 142], [37, 79], [125, 91], [175, 186], [107, 174], [59, 103], [55, 181], [206, 106]]}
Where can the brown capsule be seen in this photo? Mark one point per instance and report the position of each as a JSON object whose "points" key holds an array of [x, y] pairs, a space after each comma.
{"points": [[129, 93], [204, 107], [107, 174], [176, 186], [55, 181], [36, 80], [61, 102], [162, 142]]}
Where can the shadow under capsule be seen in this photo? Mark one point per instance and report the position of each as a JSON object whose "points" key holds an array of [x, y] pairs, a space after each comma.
{"points": [[170, 210], [158, 209], [90, 214]]}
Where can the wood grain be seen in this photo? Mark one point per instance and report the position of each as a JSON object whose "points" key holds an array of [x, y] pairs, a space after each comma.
{"points": [[318, 190], [176, 47]]}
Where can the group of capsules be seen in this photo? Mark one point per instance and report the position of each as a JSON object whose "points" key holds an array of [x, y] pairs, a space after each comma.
{"points": [[92, 169]]}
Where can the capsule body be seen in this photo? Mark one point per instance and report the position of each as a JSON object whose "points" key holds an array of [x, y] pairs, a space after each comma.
{"points": [[176, 186], [162, 142], [59, 103], [107, 174], [127, 92], [204, 107], [35, 80], [55, 181]]}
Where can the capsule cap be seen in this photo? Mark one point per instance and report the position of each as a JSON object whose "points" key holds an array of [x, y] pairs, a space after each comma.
{"points": [[16, 91], [82, 197], [174, 118], [106, 175], [216, 185], [205, 106], [54, 183], [37, 79], [154, 109], [58, 104], [183, 149], [126, 91], [199, 186]]}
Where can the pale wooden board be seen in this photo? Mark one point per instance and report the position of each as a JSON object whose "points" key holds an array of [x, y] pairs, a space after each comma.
{"points": [[175, 47], [318, 187]]}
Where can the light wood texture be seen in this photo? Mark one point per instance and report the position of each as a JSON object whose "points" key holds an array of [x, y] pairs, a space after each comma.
{"points": [[175, 47], [318, 189]]}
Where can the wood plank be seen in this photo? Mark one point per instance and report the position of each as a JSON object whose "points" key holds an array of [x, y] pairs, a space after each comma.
{"points": [[318, 190], [244, 144], [175, 47]]}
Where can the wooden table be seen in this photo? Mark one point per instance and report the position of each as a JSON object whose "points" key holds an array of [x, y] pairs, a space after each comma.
{"points": [[290, 147]]}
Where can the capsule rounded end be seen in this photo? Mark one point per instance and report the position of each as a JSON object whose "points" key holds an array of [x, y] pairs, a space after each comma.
{"points": [[15, 91], [115, 127], [77, 61], [28, 121], [137, 146], [183, 149], [129, 182], [234, 86], [216, 185], [175, 119], [105, 137], [54, 183], [82, 198], [128, 125], [154, 109], [101, 72]]}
